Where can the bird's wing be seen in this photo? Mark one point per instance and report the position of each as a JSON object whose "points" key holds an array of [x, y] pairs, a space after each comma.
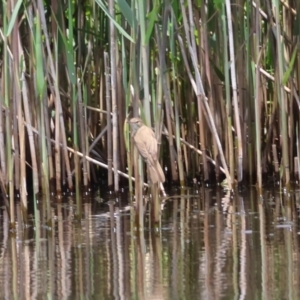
{"points": [[146, 144]]}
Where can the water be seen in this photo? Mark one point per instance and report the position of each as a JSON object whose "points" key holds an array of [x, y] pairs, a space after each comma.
{"points": [[209, 246]]}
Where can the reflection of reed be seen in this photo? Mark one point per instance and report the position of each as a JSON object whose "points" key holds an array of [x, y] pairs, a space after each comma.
{"points": [[119, 249], [157, 251], [295, 240], [249, 251], [88, 283], [288, 242], [206, 267], [79, 261], [175, 253], [264, 253], [64, 227], [113, 250], [243, 250], [62, 284], [51, 262], [14, 260], [222, 241], [140, 265]]}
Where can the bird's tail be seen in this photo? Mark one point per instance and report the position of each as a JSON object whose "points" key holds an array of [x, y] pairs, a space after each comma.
{"points": [[156, 173]]}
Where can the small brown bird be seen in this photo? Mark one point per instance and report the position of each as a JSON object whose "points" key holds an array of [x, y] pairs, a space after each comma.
{"points": [[146, 144]]}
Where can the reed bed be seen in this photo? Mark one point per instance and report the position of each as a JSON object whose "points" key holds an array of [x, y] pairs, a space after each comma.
{"points": [[219, 78]]}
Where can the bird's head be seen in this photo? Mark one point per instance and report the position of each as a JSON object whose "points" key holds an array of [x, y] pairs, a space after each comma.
{"points": [[135, 124]]}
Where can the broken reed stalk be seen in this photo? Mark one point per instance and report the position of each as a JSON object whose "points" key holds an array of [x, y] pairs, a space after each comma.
{"points": [[195, 149], [88, 158]]}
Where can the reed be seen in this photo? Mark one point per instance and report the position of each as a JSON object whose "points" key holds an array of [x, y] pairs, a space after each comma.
{"points": [[225, 81]]}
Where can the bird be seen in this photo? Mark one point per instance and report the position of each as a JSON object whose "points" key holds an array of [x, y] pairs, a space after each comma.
{"points": [[146, 143]]}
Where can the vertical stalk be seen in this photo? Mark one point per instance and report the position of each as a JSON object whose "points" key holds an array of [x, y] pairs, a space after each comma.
{"points": [[234, 91], [9, 158], [228, 98], [30, 132], [83, 131], [23, 188], [282, 99], [58, 104], [249, 94], [113, 66], [108, 110], [257, 103], [41, 85], [57, 133], [201, 120], [18, 126], [176, 108], [145, 60], [167, 93]]}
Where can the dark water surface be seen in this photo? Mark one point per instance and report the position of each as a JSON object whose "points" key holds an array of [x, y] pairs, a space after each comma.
{"points": [[208, 247]]}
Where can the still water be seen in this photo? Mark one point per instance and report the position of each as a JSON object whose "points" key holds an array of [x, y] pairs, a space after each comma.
{"points": [[208, 246]]}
